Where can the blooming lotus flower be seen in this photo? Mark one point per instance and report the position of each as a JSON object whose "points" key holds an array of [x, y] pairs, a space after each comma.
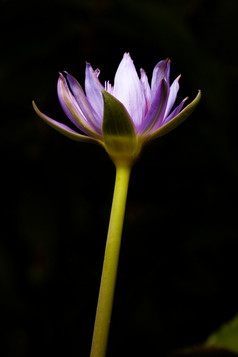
{"points": [[122, 117]]}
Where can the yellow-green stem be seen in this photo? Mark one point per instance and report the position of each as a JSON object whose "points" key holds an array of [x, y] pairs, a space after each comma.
{"points": [[109, 272]]}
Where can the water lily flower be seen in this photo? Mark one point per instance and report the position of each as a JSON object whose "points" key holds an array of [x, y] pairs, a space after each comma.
{"points": [[122, 117]]}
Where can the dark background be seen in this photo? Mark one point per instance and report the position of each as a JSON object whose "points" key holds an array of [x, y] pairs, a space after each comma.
{"points": [[178, 268]]}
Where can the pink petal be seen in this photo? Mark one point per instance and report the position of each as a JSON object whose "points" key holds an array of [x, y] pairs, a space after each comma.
{"points": [[128, 89]]}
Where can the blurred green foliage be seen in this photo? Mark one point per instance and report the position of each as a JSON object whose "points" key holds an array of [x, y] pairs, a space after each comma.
{"points": [[226, 336]]}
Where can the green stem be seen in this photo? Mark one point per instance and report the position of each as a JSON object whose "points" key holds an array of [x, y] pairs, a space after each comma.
{"points": [[109, 272]]}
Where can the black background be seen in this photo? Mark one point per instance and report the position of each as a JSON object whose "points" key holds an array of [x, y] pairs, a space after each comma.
{"points": [[178, 267]]}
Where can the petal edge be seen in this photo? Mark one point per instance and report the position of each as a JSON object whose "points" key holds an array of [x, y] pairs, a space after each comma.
{"points": [[64, 129], [178, 119]]}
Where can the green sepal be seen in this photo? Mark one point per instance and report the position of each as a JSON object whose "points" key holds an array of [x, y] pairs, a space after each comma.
{"points": [[118, 131], [178, 119]]}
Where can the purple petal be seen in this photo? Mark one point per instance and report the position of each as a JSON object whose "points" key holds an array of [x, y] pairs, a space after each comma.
{"points": [[128, 89], [108, 87], [175, 118], [157, 109], [61, 89], [78, 93], [62, 128], [146, 88], [175, 111], [75, 105], [93, 90], [161, 70], [172, 96]]}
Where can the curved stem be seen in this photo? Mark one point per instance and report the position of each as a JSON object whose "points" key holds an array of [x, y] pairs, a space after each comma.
{"points": [[109, 272]]}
